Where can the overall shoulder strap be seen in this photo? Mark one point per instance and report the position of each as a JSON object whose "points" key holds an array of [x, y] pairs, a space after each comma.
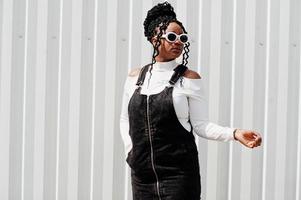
{"points": [[142, 74], [179, 71]]}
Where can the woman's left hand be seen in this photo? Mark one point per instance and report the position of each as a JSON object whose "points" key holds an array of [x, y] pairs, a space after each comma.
{"points": [[248, 138]]}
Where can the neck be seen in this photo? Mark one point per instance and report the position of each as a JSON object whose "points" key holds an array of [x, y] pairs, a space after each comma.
{"points": [[165, 65], [160, 59]]}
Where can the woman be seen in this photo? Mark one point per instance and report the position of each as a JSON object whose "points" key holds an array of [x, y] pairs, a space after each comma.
{"points": [[163, 105]]}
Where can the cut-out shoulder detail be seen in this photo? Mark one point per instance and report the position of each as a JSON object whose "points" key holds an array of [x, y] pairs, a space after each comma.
{"points": [[191, 74], [134, 72]]}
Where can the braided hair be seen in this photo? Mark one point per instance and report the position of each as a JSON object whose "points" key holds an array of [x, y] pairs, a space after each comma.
{"points": [[160, 16]]}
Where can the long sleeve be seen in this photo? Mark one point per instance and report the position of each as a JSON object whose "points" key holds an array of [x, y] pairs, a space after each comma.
{"points": [[124, 120], [198, 112]]}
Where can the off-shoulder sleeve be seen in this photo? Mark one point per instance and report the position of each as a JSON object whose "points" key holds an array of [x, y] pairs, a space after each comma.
{"points": [[198, 113], [124, 120]]}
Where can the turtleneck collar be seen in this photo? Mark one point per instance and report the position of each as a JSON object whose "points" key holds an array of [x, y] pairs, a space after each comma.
{"points": [[165, 66]]}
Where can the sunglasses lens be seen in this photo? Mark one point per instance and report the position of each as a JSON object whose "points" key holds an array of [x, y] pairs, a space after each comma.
{"points": [[171, 37], [184, 38]]}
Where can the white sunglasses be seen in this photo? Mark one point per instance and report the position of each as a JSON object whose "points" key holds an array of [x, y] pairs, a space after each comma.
{"points": [[173, 37]]}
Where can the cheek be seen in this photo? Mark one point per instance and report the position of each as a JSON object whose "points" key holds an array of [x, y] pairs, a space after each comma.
{"points": [[166, 46], [162, 47]]}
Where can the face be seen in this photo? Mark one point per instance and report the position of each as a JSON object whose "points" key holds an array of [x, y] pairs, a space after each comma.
{"points": [[170, 50]]}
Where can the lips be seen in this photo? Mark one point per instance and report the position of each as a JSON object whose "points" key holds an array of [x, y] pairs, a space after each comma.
{"points": [[177, 49]]}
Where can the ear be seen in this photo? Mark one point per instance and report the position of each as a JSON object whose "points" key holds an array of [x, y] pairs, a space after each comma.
{"points": [[153, 41]]}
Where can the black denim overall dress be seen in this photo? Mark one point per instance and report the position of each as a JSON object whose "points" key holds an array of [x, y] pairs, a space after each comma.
{"points": [[164, 157]]}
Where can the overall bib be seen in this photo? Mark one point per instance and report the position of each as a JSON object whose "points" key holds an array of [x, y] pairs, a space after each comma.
{"points": [[164, 158]]}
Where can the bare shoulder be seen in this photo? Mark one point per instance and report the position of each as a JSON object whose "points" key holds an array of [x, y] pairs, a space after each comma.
{"points": [[191, 74], [134, 72]]}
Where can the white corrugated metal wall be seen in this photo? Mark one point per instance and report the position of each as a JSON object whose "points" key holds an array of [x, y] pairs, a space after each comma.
{"points": [[62, 68]]}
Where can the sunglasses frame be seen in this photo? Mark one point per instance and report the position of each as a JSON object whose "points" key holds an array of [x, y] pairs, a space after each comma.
{"points": [[165, 36]]}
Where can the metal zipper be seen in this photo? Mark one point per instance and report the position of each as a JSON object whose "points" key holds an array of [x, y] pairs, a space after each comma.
{"points": [[151, 145]]}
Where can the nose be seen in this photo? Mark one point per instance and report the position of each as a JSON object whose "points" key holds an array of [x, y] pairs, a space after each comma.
{"points": [[178, 43]]}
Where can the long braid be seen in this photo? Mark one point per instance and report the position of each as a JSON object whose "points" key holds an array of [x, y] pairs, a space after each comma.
{"points": [[156, 46], [185, 54], [186, 47]]}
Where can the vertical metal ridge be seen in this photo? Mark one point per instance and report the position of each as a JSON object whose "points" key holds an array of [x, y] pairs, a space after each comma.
{"points": [[126, 169], [40, 97], [59, 102], [282, 80], [232, 96], [110, 84], [214, 95], [298, 179], [266, 101], [298, 172], [199, 50], [248, 95], [5, 96], [93, 98], [74, 100], [24, 98]]}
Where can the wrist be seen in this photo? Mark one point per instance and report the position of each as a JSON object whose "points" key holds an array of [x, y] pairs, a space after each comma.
{"points": [[234, 134]]}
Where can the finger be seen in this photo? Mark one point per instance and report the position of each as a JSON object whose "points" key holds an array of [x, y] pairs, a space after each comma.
{"points": [[258, 143], [258, 140], [250, 144], [255, 135], [254, 139]]}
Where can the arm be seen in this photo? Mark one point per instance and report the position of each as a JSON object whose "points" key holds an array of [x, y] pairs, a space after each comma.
{"points": [[198, 110], [124, 120]]}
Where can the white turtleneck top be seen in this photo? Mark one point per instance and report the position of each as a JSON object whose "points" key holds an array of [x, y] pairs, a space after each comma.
{"points": [[189, 103]]}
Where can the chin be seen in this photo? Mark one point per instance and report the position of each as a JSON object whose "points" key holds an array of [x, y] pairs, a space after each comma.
{"points": [[176, 56], [173, 55]]}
